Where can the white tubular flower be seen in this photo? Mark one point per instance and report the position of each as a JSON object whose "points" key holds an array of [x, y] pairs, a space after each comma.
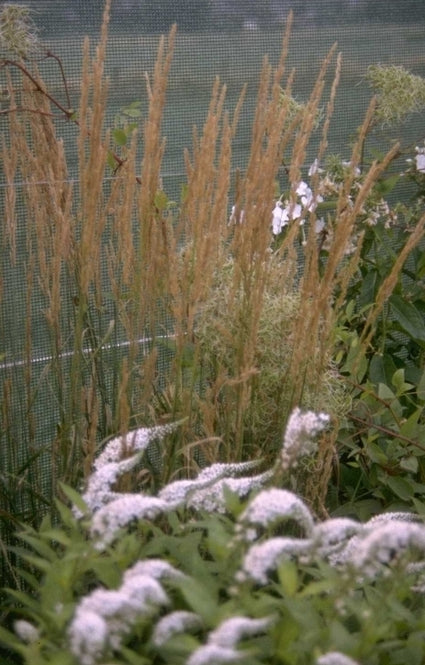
{"points": [[335, 658], [107, 521], [385, 544], [212, 499], [26, 631], [299, 435], [263, 558], [272, 506], [232, 630], [175, 623], [212, 654]]}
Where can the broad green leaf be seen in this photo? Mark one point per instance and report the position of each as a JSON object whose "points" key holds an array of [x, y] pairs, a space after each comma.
{"points": [[381, 368], [400, 486], [408, 317], [200, 599], [369, 288], [111, 161], [399, 383], [161, 200], [385, 393], [119, 136], [409, 463], [410, 427], [376, 453]]}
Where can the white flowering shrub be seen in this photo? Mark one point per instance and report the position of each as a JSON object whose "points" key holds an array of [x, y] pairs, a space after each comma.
{"points": [[229, 567]]}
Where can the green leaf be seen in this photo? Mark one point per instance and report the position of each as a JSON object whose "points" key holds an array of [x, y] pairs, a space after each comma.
{"points": [[399, 383], [400, 486], [74, 497], [39, 546], [369, 288], [161, 200], [288, 577], [420, 390], [376, 454], [200, 599], [111, 161], [119, 136], [381, 368], [134, 658], [10, 640], [408, 317], [410, 464]]}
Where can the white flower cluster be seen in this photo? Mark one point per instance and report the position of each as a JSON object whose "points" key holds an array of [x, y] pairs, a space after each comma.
{"points": [[113, 511], [287, 211], [301, 429], [110, 465], [365, 550], [221, 646], [104, 617]]}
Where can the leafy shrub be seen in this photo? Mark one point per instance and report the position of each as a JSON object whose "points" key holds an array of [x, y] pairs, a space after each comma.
{"points": [[215, 570]]}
